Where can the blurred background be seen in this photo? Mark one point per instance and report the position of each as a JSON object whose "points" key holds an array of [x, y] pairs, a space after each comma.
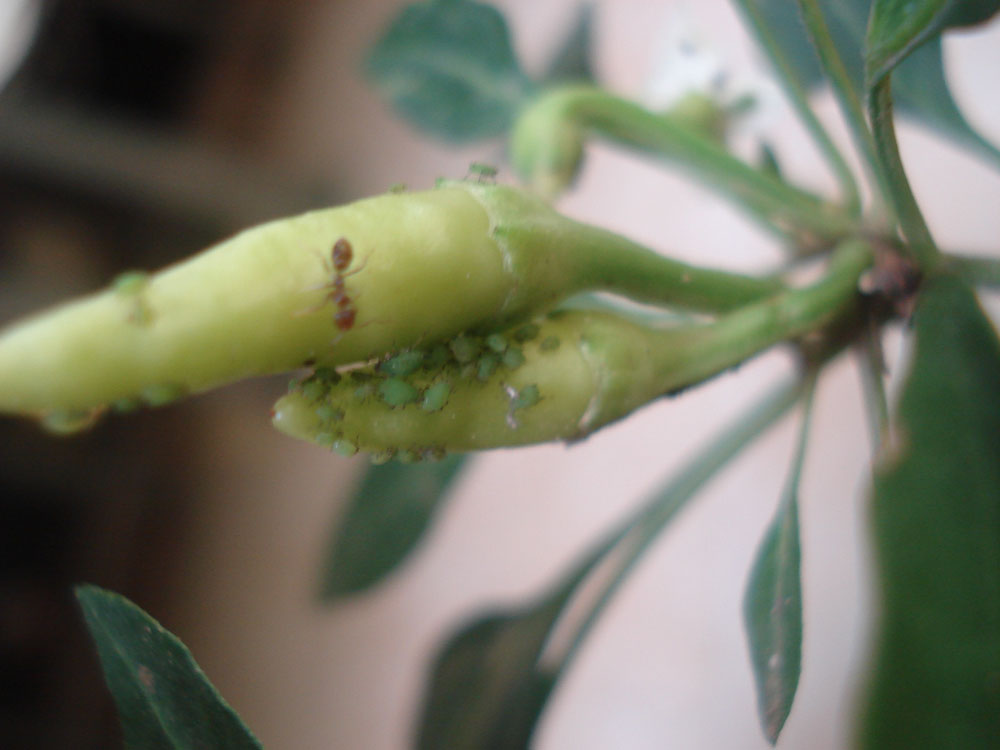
{"points": [[135, 132]]}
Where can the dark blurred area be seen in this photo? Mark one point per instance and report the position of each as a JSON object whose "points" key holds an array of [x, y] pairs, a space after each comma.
{"points": [[130, 136]]}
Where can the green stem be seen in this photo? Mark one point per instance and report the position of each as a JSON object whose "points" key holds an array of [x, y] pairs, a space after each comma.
{"points": [[919, 240], [845, 91], [871, 366], [800, 100], [782, 206], [645, 526], [976, 270]]}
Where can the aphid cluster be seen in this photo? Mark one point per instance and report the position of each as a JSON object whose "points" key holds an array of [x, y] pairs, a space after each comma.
{"points": [[421, 379]]}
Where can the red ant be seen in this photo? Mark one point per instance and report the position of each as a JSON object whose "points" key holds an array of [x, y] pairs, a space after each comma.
{"points": [[341, 257]]}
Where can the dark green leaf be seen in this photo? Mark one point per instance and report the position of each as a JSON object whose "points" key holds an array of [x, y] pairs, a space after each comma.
{"points": [[164, 700], [449, 68], [573, 60], [936, 519], [970, 12], [487, 689], [895, 29], [384, 520], [919, 86], [772, 605]]}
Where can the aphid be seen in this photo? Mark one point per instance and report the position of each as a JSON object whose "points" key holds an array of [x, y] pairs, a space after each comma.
{"points": [[397, 392], [436, 397], [482, 172]]}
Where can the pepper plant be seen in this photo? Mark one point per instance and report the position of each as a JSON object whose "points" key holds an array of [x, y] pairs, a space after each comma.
{"points": [[425, 325]]}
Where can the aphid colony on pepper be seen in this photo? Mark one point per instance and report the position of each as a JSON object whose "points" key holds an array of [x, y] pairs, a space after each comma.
{"points": [[421, 380]]}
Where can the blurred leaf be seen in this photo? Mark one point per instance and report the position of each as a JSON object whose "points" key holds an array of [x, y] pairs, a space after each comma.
{"points": [[936, 520], [772, 604], [164, 699], [487, 689], [920, 89], [963, 13], [573, 61], [896, 28], [385, 519], [449, 68]]}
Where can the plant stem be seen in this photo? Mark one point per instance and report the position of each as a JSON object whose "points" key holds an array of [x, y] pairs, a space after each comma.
{"points": [[800, 100], [976, 270], [871, 367], [919, 240], [783, 207], [645, 526], [846, 93]]}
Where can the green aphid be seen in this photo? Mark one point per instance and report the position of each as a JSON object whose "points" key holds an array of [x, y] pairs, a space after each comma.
{"points": [[526, 333], [464, 348], [313, 389], [407, 456], [325, 439], [327, 375], [327, 413], [344, 447], [162, 394], [486, 366], [549, 344], [403, 363], [496, 342], [396, 392], [468, 371], [513, 358], [361, 376], [434, 453], [436, 397], [364, 391], [482, 172], [382, 457], [126, 405], [527, 396], [437, 357], [69, 422], [130, 282]]}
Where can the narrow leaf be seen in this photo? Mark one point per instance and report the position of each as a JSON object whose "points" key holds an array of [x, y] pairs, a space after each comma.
{"points": [[385, 519], [772, 604], [936, 523], [487, 689], [164, 700], [896, 28], [573, 60], [450, 69], [919, 85]]}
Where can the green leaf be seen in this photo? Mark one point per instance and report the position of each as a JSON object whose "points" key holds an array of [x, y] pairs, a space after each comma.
{"points": [[385, 519], [896, 28], [164, 699], [449, 68], [919, 86], [772, 604], [573, 61], [487, 688], [936, 521], [964, 13]]}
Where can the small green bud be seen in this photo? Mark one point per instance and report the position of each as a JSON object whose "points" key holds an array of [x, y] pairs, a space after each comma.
{"points": [[546, 145]]}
